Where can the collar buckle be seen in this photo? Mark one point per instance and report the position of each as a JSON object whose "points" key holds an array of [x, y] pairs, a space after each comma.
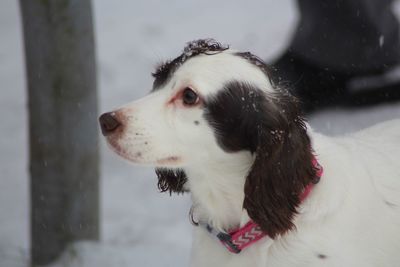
{"points": [[226, 240]]}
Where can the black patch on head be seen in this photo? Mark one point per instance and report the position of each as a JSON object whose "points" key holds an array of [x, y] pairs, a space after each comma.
{"points": [[171, 180], [322, 256], [270, 126], [256, 61], [235, 114], [196, 122], [202, 46]]}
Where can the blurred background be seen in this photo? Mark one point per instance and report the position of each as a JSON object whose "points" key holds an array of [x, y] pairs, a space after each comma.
{"points": [[138, 226]]}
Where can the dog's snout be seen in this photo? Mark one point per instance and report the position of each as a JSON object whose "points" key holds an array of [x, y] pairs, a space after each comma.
{"points": [[109, 123]]}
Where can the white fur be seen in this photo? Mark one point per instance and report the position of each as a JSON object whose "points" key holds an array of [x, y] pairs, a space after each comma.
{"points": [[352, 216]]}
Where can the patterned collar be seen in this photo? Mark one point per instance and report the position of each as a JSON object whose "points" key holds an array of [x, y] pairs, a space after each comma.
{"points": [[236, 240]]}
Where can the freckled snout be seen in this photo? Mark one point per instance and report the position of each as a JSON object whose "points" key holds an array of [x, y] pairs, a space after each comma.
{"points": [[109, 123]]}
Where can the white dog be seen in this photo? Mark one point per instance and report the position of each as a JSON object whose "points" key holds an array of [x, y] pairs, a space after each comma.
{"points": [[215, 125]]}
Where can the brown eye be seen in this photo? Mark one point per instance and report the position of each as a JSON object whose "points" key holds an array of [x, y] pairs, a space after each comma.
{"points": [[189, 97]]}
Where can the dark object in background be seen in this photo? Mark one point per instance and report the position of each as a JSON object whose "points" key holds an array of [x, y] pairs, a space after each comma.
{"points": [[61, 72], [340, 52]]}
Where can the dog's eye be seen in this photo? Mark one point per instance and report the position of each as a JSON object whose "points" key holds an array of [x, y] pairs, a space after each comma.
{"points": [[189, 97]]}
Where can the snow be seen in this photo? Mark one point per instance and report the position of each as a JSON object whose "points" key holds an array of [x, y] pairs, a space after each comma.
{"points": [[140, 227]]}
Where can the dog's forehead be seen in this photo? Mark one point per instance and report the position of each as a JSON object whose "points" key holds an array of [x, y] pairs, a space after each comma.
{"points": [[208, 73]]}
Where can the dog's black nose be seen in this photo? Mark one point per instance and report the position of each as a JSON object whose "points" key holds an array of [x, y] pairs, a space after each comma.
{"points": [[109, 123]]}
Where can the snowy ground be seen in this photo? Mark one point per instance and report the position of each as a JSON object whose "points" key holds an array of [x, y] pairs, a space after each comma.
{"points": [[140, 227]]}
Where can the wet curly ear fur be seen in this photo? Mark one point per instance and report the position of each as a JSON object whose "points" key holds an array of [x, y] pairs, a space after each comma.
{"points": [[270, 126], [171, 180], [282, 167]]}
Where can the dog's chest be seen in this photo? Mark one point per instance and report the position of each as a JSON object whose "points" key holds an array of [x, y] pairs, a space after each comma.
{"points": [[313, 248]]}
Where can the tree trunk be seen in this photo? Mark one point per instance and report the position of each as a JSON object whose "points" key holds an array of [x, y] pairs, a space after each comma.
{"points": [[61, 74]]}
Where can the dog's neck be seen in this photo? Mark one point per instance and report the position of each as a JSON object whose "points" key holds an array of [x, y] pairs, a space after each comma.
{"points": [[217, 189]]}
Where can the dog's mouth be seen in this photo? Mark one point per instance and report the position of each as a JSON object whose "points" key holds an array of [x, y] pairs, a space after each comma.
{"points": [[171, 160], [138, 157], [117, 149]]}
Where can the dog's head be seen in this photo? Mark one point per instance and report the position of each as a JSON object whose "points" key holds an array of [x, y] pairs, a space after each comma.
{"points": [[210, 103]]}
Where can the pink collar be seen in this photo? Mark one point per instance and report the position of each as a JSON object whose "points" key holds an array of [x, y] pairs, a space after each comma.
{"points": [[235, 241]]}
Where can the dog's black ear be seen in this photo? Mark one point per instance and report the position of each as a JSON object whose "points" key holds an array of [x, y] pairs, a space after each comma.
{"points": [[270, 126], [282, 167], [171, 180]]}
